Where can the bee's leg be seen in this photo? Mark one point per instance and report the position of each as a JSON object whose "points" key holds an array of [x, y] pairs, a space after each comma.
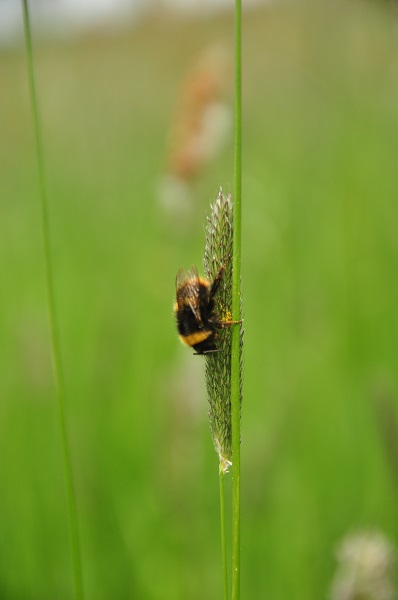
{"points": [[225, 324], [206, 352], [216, 283]]}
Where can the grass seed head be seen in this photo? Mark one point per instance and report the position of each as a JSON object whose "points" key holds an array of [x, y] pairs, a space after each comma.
{"points": [[219, 252]]}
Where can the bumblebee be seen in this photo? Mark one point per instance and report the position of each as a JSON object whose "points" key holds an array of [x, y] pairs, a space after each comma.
{"points": [[195, 312]]}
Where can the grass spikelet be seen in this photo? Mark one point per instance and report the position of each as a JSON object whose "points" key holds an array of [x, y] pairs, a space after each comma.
{"points": [[218, 252]]}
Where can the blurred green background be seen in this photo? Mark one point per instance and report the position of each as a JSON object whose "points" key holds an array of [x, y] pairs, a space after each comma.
{"points": [[320, 258]]}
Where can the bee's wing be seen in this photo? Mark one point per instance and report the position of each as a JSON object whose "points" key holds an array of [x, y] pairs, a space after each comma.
{"points": [[190, 277], [190, 280], [193, 274], [181, 277], [194, 289]]}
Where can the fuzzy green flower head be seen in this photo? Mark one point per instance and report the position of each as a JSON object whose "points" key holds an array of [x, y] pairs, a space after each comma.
{"points": [[219, 254]]}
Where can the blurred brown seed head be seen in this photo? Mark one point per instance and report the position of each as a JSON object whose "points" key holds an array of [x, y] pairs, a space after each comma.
{"points": [[199, 128]]}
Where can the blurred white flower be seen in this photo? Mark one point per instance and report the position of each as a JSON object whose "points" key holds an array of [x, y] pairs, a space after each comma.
{"points": [[366, 561]]}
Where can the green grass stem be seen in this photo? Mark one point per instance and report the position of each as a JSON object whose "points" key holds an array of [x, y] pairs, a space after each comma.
{"points": [[52, 316], [236, 308], [223, 534]]}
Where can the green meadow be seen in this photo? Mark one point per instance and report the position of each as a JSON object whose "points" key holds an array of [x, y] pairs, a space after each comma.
{"points": [[320, 285]]}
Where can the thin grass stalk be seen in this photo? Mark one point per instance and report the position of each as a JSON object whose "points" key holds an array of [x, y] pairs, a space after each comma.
{"points": [[223, 534], [52, 315], [236, 308], [218, 253]]}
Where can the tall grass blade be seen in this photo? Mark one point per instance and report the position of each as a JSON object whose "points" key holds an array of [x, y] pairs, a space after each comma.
{"points": [[52, 315], [236, 358]]}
